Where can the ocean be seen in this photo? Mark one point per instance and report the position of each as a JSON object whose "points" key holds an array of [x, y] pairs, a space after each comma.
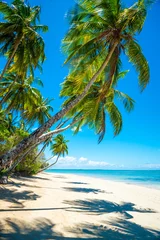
{"points": [[149, 178]]}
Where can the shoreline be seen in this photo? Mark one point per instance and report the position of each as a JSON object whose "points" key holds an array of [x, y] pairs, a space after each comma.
{"points": [[65, 206], [134, 183]]}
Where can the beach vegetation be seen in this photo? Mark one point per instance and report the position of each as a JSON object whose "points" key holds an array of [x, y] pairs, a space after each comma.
{"points": [[100, 34]]}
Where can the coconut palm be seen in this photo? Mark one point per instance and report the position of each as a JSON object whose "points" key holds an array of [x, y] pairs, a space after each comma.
{"points": [[100, 31], [97, 105], [59, 148], [98, 27], [19, 36], [7, 125], [38, 112], [22, 95]]}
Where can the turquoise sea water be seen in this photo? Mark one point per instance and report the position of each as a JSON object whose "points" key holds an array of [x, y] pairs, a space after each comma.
{"points": [[150, 178]]}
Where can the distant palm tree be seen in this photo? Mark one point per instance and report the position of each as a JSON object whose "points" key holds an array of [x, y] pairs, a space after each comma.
{"points": [[19, 36], [59, 148], [100, 31]]}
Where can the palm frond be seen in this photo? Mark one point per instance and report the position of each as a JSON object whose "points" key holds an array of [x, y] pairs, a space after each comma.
{"points": [[127, 101], [140, 63], [115, 117]]}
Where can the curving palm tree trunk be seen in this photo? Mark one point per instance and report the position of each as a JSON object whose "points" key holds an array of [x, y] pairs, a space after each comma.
{"points": [[43, 138], [49, 165], [108, 84], [14, 165], [48, 159], [40, 151], [33, 138]]}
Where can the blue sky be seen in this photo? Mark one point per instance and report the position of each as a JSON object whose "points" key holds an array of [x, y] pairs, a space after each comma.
{"points": [[138, 145]]}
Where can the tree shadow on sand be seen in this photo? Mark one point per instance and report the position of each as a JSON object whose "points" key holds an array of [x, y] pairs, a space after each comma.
{"points": [[22, 184], [77, 183], [121, 230], [16, 197], [32, 178], [85, 190], [44, 229], [59, 176], [99, 207]]}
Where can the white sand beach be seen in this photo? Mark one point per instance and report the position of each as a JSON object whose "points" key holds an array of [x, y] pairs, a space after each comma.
{"points": [[64, 206]]}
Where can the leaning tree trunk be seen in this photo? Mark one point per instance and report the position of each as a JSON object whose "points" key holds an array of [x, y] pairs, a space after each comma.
{"points": [[40, 140], [15, 163], [43, 138], [48, 159], [24, 155], [40, 151], [33, 138], [49, 165]]}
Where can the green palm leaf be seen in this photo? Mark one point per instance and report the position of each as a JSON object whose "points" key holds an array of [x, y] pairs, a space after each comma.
{"points": [[127, 101], [115, 117], [140, 63]]}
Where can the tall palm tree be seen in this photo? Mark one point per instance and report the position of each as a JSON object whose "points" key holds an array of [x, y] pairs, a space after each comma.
{"points": [[19, 36], [59, 148], [99, 32]]}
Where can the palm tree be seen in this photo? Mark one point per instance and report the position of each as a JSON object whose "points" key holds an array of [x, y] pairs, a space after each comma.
{"points": [[59, 148], [18, 94], [99, 32], [22, 95], [19, 36], [39, 111], [7, 126], [98, 27], [97, 105]]}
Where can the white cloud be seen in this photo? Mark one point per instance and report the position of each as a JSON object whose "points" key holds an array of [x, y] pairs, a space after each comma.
{"points": [[74, 128], [83, 159], [151, 166], [67, 159], [72, 162], [100, 164], [82, 162]]}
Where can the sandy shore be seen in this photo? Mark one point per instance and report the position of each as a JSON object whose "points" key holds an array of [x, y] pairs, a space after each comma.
{"points": [[56, 206]]}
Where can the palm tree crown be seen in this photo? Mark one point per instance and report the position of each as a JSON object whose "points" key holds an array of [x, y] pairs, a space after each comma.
{"points": [[97, 105], [95, 28], [60, 146], [19, 36]]}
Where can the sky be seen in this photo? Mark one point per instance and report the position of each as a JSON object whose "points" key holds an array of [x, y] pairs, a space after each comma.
{"points": [[138, 145]]}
